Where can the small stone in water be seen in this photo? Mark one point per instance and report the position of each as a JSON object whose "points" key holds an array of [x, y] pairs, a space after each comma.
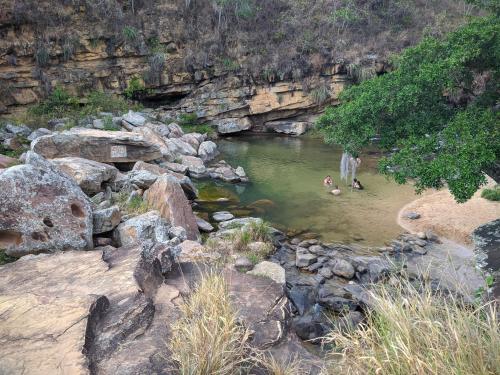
{"points": [[413, 215]]}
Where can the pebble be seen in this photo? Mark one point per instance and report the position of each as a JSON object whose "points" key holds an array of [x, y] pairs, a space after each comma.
{"points": [[413, 215]]}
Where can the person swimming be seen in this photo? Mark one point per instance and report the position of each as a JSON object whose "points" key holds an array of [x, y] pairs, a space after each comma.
{"points": [[356, 184], [328, 181], [336, 191]]}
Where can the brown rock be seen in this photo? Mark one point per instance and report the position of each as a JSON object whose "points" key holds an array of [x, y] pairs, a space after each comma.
{"points": [[98, 145], [167, 196], [84, 313], [7, 161]]}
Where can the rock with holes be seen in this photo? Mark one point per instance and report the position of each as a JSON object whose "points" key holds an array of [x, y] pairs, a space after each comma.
{"points": [[167, 196], [89, 175], [98, 145], [42, 210]]}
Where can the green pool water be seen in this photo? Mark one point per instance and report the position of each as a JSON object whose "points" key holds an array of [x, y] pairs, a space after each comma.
{"points": [[287, 190]]}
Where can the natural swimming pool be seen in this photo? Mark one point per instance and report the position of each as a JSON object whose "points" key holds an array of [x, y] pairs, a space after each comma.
{"points": [[287, 190]]}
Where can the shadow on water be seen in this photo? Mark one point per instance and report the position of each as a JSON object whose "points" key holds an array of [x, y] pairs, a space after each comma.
{"points": [[287, 190]]}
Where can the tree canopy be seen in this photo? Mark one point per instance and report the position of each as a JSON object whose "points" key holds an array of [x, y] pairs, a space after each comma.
{"points": [[437, 111]]}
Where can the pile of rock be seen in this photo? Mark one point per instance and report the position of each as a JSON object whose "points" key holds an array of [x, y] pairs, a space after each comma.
{"points": [[332, 279], [69, 193]]}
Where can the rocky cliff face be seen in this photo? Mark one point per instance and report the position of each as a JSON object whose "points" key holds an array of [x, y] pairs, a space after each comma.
{"points": [[244, 58]]}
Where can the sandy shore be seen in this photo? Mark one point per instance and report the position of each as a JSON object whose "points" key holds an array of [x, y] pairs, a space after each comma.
{"points": [[447, 218]]}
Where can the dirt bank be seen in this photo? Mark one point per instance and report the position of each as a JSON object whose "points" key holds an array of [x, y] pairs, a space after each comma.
{"points": [[447, 218]]}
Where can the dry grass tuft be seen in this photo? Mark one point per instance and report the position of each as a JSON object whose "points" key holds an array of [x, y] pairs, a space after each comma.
{"points": [[420, 332], [208, 339], [273, 366]]}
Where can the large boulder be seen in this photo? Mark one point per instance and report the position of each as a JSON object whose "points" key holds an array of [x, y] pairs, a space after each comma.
{"points": [[287, 127], [88, 174], [207, 150], [196, 167], [106, 220], [134, 119], [186, 183], [233, 125], [98, 145], [155, 138], [167, 196], [178, 147], [193, 139], [42, 210], [223, 171], [149, 226]]}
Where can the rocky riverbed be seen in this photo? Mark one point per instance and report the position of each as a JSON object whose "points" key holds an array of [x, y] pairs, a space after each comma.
{"points": [[103, 243]]}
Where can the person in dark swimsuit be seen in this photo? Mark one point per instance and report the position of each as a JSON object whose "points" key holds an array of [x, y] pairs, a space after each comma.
{"points": [[356, 184]]}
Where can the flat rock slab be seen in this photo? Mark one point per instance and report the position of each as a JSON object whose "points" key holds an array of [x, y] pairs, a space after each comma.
{"points": [[261, 304], [88, 174], [83, 313], [98, 145]]}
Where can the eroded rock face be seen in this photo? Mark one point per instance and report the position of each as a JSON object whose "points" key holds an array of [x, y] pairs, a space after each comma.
{"points": [[42, 210], [85, 313], [88, 174], [233, 125], [288, 127], [167, 196], [99, 145]]}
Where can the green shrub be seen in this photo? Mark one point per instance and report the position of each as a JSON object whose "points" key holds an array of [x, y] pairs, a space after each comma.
{"points": [[189, 123], [491, 194], [130, 33], [134, 89], [4, 258], [60, 104], [109, 125]]}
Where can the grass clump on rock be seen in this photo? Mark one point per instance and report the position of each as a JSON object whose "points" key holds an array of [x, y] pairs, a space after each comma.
{"points": [[412, 331], [208, 339], [491, 194]]}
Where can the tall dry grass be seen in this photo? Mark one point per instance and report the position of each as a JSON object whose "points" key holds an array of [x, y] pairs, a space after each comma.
{"points": [[419, 332], [207, 339]]}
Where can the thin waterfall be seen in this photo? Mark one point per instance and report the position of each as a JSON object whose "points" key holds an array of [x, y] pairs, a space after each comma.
{"points": [[348, 163]]}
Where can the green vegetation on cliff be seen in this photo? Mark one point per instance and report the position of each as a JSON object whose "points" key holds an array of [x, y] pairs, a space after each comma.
{"points": [[436, 108]]}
